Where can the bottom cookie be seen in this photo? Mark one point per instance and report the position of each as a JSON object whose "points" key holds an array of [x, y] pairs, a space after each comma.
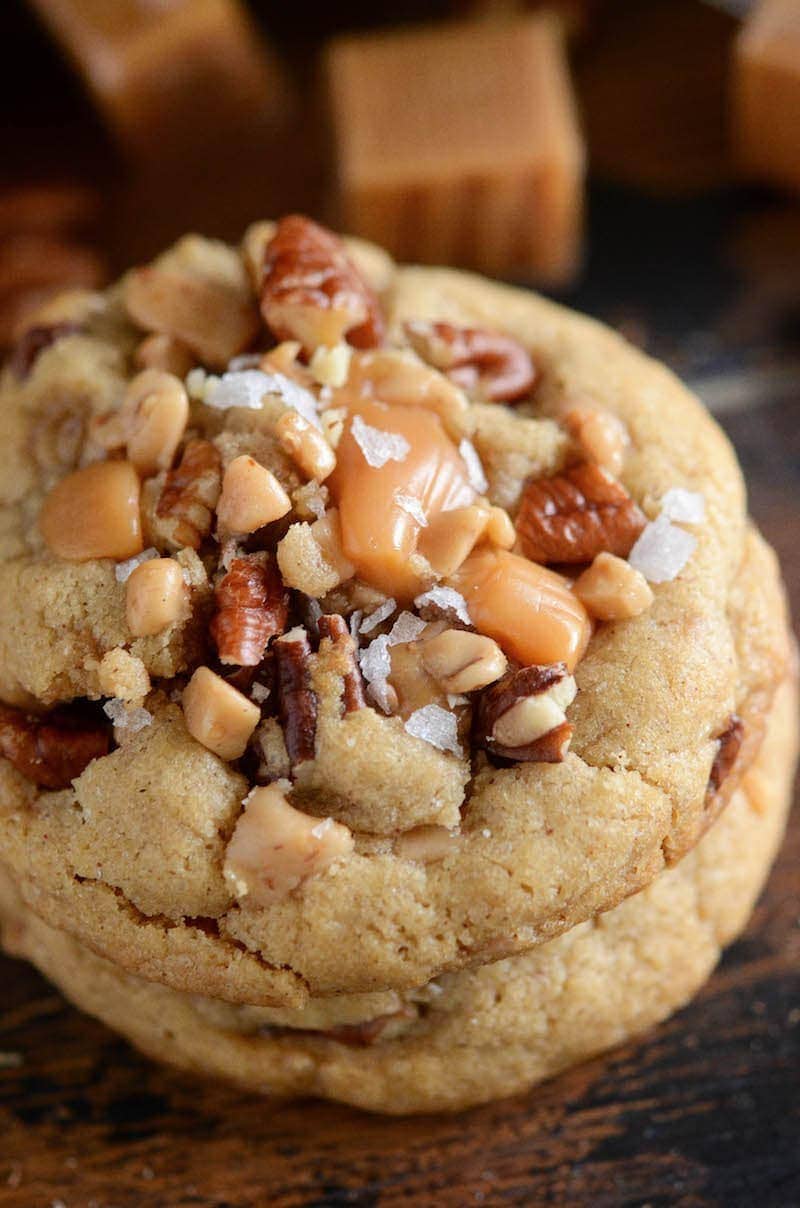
{"points": [[472, 1036]]}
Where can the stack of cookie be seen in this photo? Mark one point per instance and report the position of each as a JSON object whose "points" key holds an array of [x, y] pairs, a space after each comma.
{"points": [[398, 705]]}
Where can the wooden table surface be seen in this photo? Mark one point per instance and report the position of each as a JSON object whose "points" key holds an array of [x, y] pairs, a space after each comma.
{"points": [[703, 1111]]}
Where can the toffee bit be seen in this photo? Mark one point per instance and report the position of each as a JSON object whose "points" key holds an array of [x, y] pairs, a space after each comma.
{"points": [[335, 627], [297, 702]]}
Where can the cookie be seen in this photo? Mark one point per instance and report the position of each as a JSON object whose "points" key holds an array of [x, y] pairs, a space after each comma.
{"points": [[426, 613], [474, 1035]]}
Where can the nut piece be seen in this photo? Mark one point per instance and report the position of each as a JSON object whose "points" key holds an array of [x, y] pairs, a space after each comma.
{"points": [[491, 367], [190, 494], [310, 290], [161, 351], [253, 607], [218, 715], [577, 514], [522, 716], [426, 844], [334, 627], [601, 435], [306, 445], [251, 497], [275, 847], [212, 318], [297, 701], [51, 751], [463, 661], [94, 513], [612, 590], [730, 741], [155, 598]]}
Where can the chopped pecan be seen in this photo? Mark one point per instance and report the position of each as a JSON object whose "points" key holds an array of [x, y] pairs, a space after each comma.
{"points": [[362, 1035], [730, 741], [51, 751], [576, 515], [504, 723], [297, 702], [253, 606], [334, 626], [312, 292], [488, 365], [34, 341], [214, 319], [190, 494]]}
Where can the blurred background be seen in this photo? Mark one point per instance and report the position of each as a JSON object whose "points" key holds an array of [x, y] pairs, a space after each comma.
{"points": [[638, 160]]}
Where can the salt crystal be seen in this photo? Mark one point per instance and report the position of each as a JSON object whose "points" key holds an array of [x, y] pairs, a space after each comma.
{"points": [[124, 570], [446, 599], [411, 505], [687, 507], [406, 628], [381, 613], [259, 693], [322, 827], [355, 624], [247, 360], [456, 699], [378, 446], [662, 551], [375, 661], [247, 388], [383, 695], [124, 718], [436, 726], [477, 478]]}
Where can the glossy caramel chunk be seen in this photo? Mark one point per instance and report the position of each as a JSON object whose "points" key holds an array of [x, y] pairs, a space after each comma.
{"points": [[379, 534], [529, 610]]}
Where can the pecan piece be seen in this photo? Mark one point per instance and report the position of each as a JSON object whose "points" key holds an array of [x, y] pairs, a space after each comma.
{"points": [[334, 626], [730, 741], [297, 701], [312, 292], [521, 717], [190, 494], [253, 606], [34, 341], [51, 751], [488, 365], [576, 515], [362, 1035]]}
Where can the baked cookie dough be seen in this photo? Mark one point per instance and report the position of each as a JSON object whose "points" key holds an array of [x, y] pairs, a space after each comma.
{"points": [[472, 1036], [289, 520]]}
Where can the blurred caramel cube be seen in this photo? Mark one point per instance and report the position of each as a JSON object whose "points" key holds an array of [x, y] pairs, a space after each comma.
{"points": [[172, 77], [766, 95], [459, 143]]}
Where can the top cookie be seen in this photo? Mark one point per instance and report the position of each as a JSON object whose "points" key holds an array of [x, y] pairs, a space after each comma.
{"points": [[293, 515]]}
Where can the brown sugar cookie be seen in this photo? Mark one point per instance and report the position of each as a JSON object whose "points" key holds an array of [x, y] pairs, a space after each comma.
{"points": [[421, 619]]}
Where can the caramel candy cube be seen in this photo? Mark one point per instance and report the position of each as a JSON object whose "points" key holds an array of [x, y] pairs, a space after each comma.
{"points": [[459, 143], [766, 93], [171, 78]]}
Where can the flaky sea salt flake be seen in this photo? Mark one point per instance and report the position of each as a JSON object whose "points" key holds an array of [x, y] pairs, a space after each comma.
{"points": [[125, 718], [662, 551], [406, 628], [469, 455], [685, 507], [381, 613], [445, 599], [436, 726], [378, 446]]}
